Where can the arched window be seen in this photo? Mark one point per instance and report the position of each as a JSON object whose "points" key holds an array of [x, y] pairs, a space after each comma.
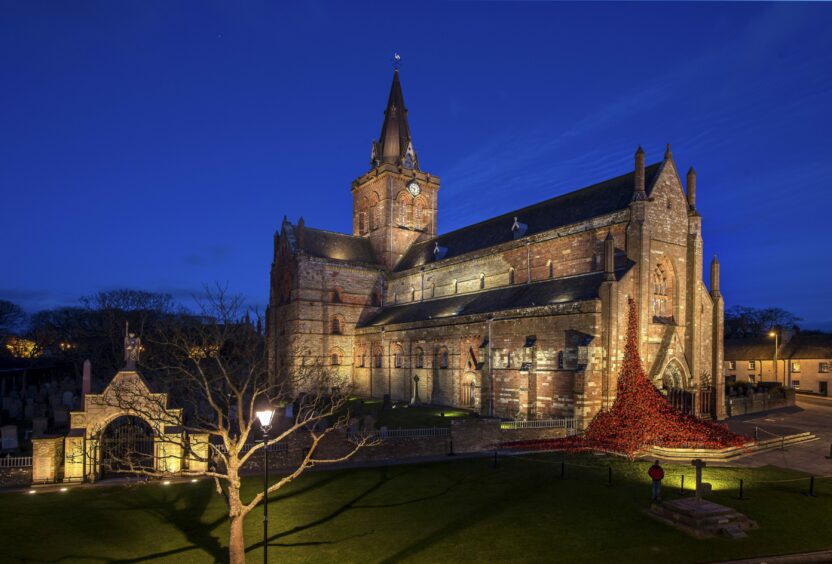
{"points": [[455, 286], [335, 359], [412, 294], [378, 359], [362, 222], [511, 276], [662, 289], [550, 269], [375, 211], [443, 357], [360, 357], [398, 357], [420, 358], [337, 326], [395, 297], [402, 212], [482, 281]]}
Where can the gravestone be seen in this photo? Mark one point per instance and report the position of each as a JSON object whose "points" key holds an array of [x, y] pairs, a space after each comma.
{"points": [[385, 404], [39, 426], [68, 399], [702, 488], [29, 410], [61, 417], [415, 400], [369, 423], [8, 437]]}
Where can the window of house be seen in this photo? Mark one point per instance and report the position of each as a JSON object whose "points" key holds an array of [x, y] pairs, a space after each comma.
{"points": [[752, 378], [732, 365], [752, 365], [420, 358], [378, 359], [823, 367], [397, 360], [795, 366], [796, 384], [337, 329]]}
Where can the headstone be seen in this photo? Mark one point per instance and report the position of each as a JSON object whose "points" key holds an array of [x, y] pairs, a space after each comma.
{"points": [[68, 399], [61, 417], [39, 426], [385, 404], [369, 423], [415, 400], [29, 410], [8, 437]]}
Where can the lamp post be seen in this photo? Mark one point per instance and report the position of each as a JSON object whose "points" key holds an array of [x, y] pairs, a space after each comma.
{"points": [[265, 415], [776, 346]]}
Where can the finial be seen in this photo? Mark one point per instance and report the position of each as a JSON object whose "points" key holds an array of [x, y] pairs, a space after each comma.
{"points": [[397, 59], [639, 151], [667, 153], [691, 171], [609, 236]]}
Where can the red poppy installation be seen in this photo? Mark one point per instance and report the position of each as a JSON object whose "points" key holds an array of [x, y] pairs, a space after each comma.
{"points": [[640, 417]]}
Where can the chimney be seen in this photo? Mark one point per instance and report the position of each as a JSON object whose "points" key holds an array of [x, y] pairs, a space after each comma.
{"points": [[609, 258], [715, 278], [692, 189], [639, 194]]}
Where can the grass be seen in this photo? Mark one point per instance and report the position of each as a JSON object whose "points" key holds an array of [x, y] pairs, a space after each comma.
{"points": [[413, 416], [463, 510]]}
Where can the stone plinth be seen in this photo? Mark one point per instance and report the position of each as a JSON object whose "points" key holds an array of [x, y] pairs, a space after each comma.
{"points": [[702, 518], [47, 453]]}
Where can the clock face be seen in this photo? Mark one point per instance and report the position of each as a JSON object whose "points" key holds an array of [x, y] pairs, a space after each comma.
{"points": [[414, 188]]}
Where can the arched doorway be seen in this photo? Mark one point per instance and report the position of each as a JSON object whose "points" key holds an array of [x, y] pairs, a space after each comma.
{"points": [[674, 377], [470, 391], [127, 446]]}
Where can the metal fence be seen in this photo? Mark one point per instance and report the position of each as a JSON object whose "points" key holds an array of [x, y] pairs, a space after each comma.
{"points": [[563, 423], [415, 433], [15, 461]]}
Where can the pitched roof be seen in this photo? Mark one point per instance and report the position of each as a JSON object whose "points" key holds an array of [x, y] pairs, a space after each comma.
{"points": [[335, 246], [801, 345], [549, 292], [593, 201]]}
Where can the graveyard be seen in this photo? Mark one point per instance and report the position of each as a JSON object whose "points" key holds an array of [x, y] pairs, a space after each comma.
{"points": [[460, 510]]}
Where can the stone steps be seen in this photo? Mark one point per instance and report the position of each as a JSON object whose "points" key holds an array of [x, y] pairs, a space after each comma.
{"points": [[727, 454]]}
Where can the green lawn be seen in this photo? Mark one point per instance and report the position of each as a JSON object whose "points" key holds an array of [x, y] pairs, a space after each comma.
{"points": [[463, 510], [413, 416]]}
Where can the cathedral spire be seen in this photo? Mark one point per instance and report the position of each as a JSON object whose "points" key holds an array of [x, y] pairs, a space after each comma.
{"points": [[395, 145]]}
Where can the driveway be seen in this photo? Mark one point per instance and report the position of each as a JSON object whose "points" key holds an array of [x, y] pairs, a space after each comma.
{"points": [[813, 414]]}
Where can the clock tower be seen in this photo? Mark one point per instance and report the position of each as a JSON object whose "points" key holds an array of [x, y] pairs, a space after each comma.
{"points": [[395, 203]]}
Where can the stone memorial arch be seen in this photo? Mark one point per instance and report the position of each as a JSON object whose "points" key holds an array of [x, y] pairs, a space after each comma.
{"points": [[127, 415]]}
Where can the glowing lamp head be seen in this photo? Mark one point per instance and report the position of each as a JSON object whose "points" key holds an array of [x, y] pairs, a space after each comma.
{"points": [[772, 334], [265, 415]]}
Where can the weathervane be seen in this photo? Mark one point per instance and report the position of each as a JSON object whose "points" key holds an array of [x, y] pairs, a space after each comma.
{"points": [[396, 60]]}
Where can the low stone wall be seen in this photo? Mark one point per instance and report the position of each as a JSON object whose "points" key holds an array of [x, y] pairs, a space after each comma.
{"points": [[15, 477], [755, 403]]}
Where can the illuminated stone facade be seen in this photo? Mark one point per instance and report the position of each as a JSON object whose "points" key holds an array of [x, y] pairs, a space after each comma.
{"points": [[522, 315]]}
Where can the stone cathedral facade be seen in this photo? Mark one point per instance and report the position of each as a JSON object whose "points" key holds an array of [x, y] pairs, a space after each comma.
{"points": [[520, 316]]}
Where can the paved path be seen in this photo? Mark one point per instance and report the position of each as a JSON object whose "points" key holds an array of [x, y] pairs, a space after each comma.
{"points": [[810, 414]]}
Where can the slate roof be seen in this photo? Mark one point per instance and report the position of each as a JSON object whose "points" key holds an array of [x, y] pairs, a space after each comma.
{"points": [[593, 201], [801, 345], [557, 291], [336, 246]]}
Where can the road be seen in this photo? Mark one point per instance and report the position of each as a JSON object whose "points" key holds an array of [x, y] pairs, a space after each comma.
{"points": [[810, 414]]}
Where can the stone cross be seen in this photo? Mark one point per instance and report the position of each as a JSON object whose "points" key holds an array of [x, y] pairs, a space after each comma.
{"points": [[415, 400], [702, 488]]}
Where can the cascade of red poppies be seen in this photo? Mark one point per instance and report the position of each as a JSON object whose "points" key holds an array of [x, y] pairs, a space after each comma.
{"points": [[640, 416]]}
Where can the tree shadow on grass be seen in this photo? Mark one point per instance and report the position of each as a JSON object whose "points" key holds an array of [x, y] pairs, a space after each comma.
{"points": [[384, 478]]}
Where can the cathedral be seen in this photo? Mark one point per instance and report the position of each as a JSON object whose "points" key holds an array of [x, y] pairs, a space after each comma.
{"points": [[520, 316]]}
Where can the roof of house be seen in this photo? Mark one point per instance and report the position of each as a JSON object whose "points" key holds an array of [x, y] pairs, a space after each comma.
{"points": [[800, 346], [593, 201], [548, 292]]}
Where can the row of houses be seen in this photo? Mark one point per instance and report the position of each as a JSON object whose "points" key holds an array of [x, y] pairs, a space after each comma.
{"points": [[800, 360]]}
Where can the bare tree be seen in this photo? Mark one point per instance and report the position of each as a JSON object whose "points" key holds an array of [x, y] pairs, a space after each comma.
{"points": [[213, 369], [742, 322]]}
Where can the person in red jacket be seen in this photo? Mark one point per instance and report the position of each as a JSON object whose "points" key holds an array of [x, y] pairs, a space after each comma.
{"points": [[656, 473]]}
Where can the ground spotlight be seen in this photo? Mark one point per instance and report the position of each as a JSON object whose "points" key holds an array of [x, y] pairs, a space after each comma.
{"points": [[64, 489], [166, 483], [32, 491]]}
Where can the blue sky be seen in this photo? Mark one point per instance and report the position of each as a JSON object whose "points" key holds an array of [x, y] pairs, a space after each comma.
{"points": [[157, 145]]}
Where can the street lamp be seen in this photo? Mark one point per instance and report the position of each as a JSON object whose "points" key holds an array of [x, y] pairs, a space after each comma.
{"points": [[265, 414], [776, 346]]}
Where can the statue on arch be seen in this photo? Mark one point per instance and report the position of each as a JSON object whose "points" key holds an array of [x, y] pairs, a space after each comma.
{"points": [[132, 348]]}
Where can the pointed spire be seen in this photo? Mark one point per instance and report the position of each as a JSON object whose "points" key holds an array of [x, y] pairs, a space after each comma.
{"points": [[639, 194], [691, 189], [395, 145], [715, 278]]}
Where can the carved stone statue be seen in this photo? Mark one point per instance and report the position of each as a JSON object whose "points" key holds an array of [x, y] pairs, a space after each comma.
{"points": [[132, 348]]}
